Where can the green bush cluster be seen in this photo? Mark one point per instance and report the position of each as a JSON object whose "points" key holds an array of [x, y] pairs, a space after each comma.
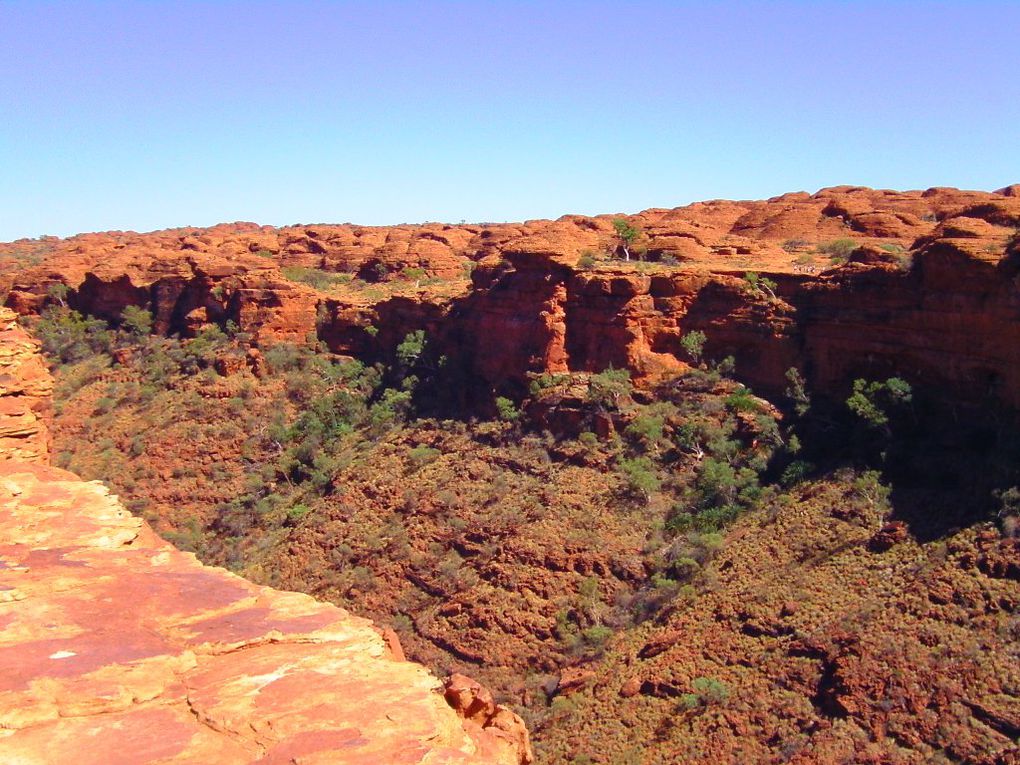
{"points": [[693, 343], [727, 478], [608, 388], [838, 250], [67, 336], [707, 691], [315, 277], [872, 400]]}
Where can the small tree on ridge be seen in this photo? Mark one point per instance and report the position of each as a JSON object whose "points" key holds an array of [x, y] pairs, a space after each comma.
{"points": [[626, 235]]}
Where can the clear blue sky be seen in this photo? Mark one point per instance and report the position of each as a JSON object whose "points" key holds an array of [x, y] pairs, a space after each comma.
{"points": [[143, 115]]}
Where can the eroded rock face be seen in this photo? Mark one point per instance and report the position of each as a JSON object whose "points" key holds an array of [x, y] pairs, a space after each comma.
{"points": [[930, 292], [25, 390], [115, 647]]}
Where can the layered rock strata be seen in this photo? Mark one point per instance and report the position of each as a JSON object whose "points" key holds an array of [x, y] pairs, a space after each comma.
{"points": [[25, 390]]}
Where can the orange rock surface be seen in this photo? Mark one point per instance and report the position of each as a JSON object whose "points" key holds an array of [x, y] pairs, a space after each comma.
{"points": [[115, 647], [25, 389], [929, 292], [930, 287]]}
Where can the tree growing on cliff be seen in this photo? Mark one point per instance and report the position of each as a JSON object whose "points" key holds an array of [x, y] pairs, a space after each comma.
{"points": [[409, 351], [760, 285], [694, 343], [796, 391], [626, 235], [136, 321], [506, 409], [58, 291], [872, 400]]}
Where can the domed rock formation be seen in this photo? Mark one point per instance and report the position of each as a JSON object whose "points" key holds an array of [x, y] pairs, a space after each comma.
{"points": [[554, 299]]}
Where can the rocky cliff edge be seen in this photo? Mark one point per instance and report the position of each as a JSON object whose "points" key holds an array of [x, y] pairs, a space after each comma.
{"points": [[115, 647]]}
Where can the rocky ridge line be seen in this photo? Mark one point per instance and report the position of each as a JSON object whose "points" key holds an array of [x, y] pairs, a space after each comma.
{"points": [[928, 293]]}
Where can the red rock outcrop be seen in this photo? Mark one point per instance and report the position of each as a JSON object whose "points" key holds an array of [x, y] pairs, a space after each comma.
{"points": [[115, 647], [929, 294], [25, 389]]}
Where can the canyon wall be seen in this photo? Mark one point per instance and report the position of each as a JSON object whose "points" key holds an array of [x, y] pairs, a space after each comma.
{"points": [[928, 294], [115, 647]]}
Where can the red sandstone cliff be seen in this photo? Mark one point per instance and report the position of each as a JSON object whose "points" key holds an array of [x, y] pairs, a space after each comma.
{"points": [[930, 293], [117, 648], [25, 389]]}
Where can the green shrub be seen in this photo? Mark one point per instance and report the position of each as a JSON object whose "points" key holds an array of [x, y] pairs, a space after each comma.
{"points": [[868, 487], [838, 249], [545, 381], [313, 277], [710, 691], [796, 472], [646, 429], [58, 292], [716, 482], [507, 411], [639, 477], [136, 321], [423, 455], [201, 351], [872, 400], [742, 400], [693, 343], [296, 512], [68, 336], [413, 274], [106, 405], [596, 636], [796, 391], [391, 407], [411, 349], [760, 284], [606, 388]]}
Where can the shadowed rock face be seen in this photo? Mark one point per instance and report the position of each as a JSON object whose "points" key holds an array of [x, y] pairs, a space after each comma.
{"points": [[115, 647]]}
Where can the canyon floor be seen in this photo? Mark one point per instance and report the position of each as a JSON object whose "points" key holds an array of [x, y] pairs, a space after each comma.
{"points": [[731, 482]]}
